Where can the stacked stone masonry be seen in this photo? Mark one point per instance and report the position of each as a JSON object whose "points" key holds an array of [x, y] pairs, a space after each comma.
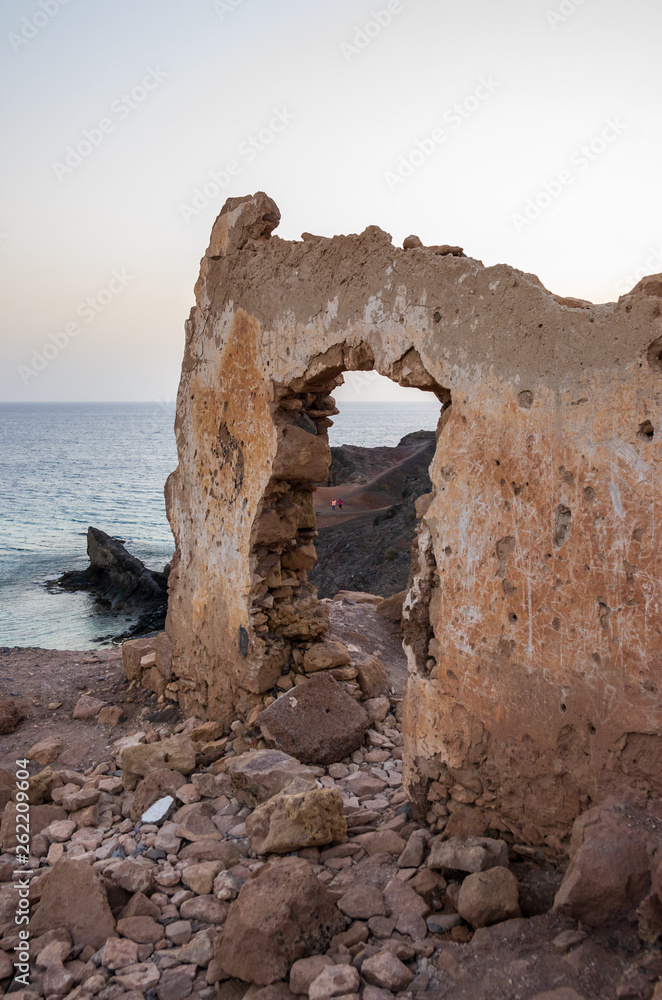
{"points": [[533, 621]]}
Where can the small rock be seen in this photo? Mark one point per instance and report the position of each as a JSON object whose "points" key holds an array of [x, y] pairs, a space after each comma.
{"points": [[75, 899], [414, 853], [281, 915], [110, 715], [468, 854], [387, 971], [142, 977], [87, 707], [142, 930], [117, 953], [198, 951], [46, 750], [325, 655], [200, 878], [362, 902], [334, 981], [10, 716], [57, 980], [372, 676], [61, 830], [306, 970], [179, 932], [441, 923], [133, 876], [568, 939], [54, 705], [176, 753]]}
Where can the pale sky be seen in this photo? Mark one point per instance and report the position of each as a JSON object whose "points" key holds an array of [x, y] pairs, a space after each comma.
{"points": [[442, 118]]}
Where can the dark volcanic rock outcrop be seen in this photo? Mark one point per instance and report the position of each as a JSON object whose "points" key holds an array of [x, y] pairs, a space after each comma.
{"points": [[353, 464], [118, 577]]}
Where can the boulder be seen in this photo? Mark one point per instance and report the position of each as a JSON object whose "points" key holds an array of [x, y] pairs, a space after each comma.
{"points": [[258, 775], [317, 722], [10, 716], [177, 753], [468, 854], [487, 897], [325, 655], [334, 981], [75, 899], [292, 820], [282, 914], [612, 850]]}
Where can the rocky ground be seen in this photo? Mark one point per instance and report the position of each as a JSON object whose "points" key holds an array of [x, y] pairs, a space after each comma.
{"points": [[281, 861]]}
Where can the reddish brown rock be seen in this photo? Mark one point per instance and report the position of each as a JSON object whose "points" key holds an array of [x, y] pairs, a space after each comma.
{"points": [[259, 774], [45, 751], [612, 861], [282, 914], [41, 816], [75, 899], [372, 676], [177, 753], [488, 897], [324, 656], [386, 970], [317, 722], [10, 716], [87, 707], [153, 787]]}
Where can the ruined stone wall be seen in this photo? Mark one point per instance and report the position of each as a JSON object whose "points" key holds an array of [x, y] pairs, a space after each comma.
{"points": [[533, 621]]}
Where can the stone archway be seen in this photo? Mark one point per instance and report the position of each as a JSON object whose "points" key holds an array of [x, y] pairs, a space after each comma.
{"points": [[534, 617], [285, 616]]}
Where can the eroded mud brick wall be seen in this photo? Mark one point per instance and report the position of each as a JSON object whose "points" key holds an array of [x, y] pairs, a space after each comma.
{"points": [[533, 621]]}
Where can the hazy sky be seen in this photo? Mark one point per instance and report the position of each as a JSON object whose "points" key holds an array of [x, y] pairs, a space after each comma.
{"points": [[448, 119]]}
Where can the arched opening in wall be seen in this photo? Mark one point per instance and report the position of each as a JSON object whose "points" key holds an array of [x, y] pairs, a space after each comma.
{"points": [[306, 549]]}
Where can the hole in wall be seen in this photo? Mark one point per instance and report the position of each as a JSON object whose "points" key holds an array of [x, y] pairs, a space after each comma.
{"points": [[646, 431], [316, 523]]}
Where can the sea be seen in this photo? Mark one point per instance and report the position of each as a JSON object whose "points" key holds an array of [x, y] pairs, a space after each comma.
{"points": [[65, 466]]}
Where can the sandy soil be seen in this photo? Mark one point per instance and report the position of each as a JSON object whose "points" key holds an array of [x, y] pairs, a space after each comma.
{"points": [[37, 678]]}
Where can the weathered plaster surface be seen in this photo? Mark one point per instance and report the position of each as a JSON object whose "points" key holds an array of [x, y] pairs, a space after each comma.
{"points": [[534, 619]]}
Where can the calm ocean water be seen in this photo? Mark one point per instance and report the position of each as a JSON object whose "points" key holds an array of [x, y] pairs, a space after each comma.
{"points": [[66, 466]]}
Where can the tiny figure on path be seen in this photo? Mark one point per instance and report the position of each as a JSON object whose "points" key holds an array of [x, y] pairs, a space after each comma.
{"points": [[333, 506], [339, 503]]}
